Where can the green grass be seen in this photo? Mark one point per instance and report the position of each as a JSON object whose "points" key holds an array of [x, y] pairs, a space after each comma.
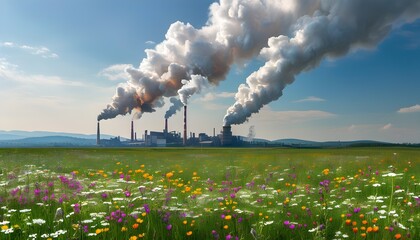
{"points": [[275, 192]]}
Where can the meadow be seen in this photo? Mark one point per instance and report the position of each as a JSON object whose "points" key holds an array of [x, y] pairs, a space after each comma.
{"points": [[181, 193]]}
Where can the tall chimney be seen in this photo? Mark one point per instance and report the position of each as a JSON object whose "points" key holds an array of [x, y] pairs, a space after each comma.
{"points": [[98, 135], [185, 125], [132, 131], [166, 125], [214, 132]]}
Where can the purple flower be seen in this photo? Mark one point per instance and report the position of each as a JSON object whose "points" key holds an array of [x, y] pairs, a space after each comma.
{"points": [[232, 195], [104, 195], [229, 237], [127, 193], [292, 226], [215, 234], [37, 192], [76, 208], [286, 223], [169, 227], [146, 208], [356, 210]]}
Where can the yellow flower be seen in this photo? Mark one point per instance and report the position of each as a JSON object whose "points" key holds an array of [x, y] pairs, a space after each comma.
{"points": [[228, 217], [139, 220], [169, 175], [189, 233], [226, 227], [133, 238], [98, 231], [184, 222], [141, 235], [123, 229], [4, 227], [303, 207]]}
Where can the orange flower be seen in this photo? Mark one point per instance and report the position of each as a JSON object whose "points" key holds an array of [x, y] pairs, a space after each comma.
{"points": [[363, 235], [375, 229], [354, 223], [189, 233], [228, 217], [135, 225], [369, 229], [169, 175], [364, 222], [348, 222], [397, 236], [226, 227], [355, 229], [361, 216], [374, 220]]}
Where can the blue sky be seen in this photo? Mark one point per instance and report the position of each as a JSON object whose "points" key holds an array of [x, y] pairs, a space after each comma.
{"points": [[53, 57]]}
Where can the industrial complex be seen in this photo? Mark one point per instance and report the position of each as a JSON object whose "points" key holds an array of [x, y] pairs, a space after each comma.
{"points": [[171, 138]]}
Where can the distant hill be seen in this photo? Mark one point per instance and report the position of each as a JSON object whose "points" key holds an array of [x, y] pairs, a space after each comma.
{"points": [[15, 135], [305, 143], [49, 141]]}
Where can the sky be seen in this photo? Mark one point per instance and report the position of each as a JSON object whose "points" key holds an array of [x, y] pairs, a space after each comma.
{"points": [[61, 61]]}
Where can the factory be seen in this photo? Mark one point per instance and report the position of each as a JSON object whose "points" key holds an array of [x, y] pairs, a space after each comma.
{"points": [[168, 138]]}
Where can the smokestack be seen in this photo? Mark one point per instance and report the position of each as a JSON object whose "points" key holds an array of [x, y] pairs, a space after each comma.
{"points": [[98, 135], [132, 131], [135, 136], [227, 136], [185, 125], [166, 125], [214, 132]]}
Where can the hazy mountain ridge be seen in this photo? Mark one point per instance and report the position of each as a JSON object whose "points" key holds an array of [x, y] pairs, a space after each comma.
{"points": [[17, 134], [57, 139]]}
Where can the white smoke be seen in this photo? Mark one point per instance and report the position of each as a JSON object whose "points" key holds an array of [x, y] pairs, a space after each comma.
{"points": [[334, 29], [191, 87], [175, 107], [235, 32], [292, 35]]}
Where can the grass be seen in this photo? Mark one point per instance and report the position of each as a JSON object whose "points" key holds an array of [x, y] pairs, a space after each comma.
{"points": [[178, 193]]}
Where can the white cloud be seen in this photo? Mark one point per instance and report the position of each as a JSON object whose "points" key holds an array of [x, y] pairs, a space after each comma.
{"points": [[310, 99], [387, 126], [10, 72], [415, 108], [266, 114], [213, 96], [150, 42], [116, 72], [352, 127], [41, 51]]}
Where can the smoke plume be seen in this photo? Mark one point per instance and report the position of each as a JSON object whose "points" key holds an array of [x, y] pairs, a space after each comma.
{"points": [[331, 31], [175, 107], [195, 85], [291, 35]]}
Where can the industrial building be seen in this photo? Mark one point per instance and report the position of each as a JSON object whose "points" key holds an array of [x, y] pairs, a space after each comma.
{"points": [[172, 138]]}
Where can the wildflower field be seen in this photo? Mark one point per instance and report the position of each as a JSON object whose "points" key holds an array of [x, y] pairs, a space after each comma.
{"points": [[355, 193]]}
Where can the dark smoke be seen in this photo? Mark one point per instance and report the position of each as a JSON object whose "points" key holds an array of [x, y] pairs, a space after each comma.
{"points": [[175, 107]]}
